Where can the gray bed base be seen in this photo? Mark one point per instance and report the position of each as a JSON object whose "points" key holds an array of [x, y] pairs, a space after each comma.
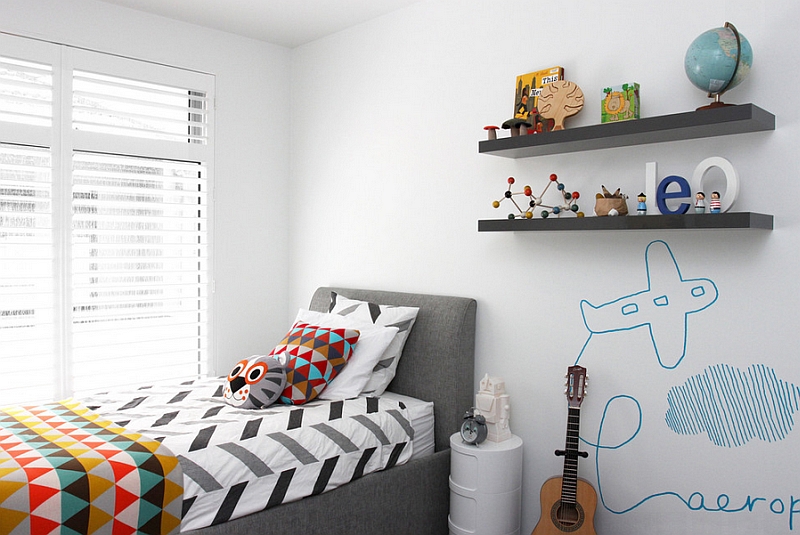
{"points": [[437, 365]]}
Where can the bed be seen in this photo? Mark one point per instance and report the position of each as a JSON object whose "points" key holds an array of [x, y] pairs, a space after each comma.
{"points": [[436, 366]]}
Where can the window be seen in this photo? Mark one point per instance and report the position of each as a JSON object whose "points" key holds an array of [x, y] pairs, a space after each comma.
{"points": [[105, 167]]}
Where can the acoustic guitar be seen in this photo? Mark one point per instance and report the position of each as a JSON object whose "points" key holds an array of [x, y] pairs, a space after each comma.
{"points": [[569, 502]]}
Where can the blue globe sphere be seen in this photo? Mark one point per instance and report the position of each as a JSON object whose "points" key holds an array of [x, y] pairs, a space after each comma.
{"points": [[713, 62]]}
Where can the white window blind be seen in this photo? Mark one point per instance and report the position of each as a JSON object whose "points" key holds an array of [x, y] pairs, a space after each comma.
{"points": [[26, 92], [104, 221], [139, 270], [27, 316], [113, 105]]}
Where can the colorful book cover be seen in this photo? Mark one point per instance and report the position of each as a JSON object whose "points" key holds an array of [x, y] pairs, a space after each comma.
{"points": [[529, 86], [620, 103]]}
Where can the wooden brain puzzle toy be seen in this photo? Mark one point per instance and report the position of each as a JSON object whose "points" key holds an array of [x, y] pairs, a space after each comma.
{"points": [[559, 100]]}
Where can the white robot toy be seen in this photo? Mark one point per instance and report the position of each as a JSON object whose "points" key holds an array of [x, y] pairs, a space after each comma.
{"points": [[493, 404]]}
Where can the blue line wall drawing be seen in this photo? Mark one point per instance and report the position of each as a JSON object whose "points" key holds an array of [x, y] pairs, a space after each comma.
{"points": [[664, 307], [729, 404], [732, 405]]}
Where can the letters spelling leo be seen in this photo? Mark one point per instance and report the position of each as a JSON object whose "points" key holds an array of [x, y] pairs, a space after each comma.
{"points": [[657, 196]]}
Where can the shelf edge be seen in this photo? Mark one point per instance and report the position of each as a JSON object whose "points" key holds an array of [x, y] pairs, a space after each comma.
{"points": [[729, 120], [729, 221]]}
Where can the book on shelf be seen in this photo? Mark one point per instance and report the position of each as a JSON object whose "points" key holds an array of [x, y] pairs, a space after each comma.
{"points": [[529, 87]]}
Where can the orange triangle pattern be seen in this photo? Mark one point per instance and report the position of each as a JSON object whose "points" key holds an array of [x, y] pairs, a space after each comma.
{"points": [[63, 469]]}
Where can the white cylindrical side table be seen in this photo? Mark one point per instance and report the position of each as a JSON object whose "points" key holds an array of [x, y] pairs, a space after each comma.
{"points": [[485, 487]]}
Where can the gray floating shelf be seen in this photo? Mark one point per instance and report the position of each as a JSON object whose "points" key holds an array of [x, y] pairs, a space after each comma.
{"points": [[729, 220], [738, 119]]}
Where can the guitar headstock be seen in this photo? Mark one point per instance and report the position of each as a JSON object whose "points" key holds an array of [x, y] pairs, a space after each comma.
{"points": [[576, 385]]}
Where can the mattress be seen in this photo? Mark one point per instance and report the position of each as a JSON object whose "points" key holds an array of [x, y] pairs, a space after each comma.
{"points": [[420, 414], [236, 461]]}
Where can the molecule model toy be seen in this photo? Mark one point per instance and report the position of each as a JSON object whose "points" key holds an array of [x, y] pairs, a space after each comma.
{"points": [[567, 205]]}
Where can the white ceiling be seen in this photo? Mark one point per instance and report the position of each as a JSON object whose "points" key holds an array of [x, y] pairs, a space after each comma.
{"points": [[287, 23]]}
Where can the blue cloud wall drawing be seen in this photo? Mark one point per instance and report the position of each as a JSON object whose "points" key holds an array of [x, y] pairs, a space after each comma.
{"points": [[733, 406]]}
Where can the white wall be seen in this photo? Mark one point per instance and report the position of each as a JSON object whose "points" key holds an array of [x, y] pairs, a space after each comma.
{"points": [[384, 187], [388, 187], [251, 171]]}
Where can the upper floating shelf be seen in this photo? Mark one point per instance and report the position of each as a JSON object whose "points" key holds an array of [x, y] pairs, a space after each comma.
{"points": [[738, 119]]}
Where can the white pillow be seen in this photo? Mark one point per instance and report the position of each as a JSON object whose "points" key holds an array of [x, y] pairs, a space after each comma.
{"points": [[372, 342], [387, 315]]}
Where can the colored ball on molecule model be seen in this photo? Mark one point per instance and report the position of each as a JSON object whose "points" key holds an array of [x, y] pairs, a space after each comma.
{"points": [[580, 214], [556, 210], [527, 191], [496, 204], [511, 216], [561, 187], [508, 195], [576, 195], [574, 207], [528, 214], [567, 195], [553, 177], [545, 214], [511, 180]]}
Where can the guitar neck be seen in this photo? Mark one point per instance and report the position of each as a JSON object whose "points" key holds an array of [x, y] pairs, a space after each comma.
{"points": [[569, 480], [574, 512]]}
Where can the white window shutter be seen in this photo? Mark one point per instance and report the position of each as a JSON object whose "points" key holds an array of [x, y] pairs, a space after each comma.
{"points": [[108, 162], [26, 92], [139, 270], [27, 315]]}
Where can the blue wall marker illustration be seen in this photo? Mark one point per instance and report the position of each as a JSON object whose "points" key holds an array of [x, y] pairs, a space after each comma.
{"points": [[664, 307], [732, 405]]}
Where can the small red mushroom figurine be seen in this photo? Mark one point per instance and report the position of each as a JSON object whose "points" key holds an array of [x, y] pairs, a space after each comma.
{"points": [[491, 131]]}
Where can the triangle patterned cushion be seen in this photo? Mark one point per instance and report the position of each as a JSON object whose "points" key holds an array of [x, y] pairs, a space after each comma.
{"points": [[312, 356]]}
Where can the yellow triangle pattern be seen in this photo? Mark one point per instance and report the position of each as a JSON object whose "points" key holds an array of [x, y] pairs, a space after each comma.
{"points": [[168, 462], [98, 485], [10, 487], [5, 471], [97, 519], [170, 523], [11, 519], [61, 430], [172, 491]]}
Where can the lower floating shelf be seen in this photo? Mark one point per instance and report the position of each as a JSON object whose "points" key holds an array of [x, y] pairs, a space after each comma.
{"points": [[729, 220]]}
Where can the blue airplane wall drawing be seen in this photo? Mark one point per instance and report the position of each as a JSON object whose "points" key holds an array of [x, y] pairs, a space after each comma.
{"points": [[664, 307]]}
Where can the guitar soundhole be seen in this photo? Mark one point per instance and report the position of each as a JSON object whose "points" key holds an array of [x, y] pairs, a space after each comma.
{"points": [[567, 516]]}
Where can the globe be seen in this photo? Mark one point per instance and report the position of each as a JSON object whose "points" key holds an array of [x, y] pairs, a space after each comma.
{"points": [[718, 60]]}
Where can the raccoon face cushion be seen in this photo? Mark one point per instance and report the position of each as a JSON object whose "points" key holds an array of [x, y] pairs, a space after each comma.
{"points": [[254, 383]]}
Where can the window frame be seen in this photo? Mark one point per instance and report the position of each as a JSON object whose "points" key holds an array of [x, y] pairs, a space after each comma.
{"points": [[63, 141]]}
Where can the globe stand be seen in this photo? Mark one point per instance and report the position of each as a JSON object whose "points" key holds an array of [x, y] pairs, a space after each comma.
{"points": [[716, 104]]}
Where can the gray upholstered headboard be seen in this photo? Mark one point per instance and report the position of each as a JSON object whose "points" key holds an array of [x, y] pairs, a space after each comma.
{"points": [[438, 359]]}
